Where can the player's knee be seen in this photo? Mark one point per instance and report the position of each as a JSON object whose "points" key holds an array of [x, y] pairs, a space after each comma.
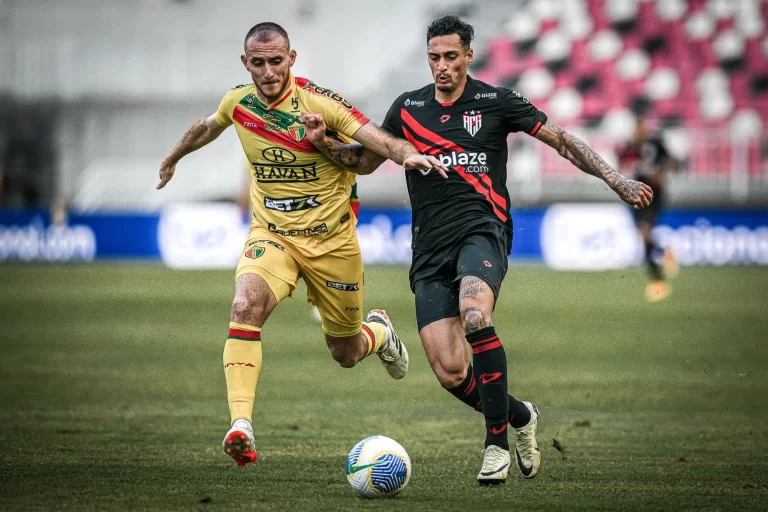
{"points": [[450, 374], [249, 310], [474, 315]]}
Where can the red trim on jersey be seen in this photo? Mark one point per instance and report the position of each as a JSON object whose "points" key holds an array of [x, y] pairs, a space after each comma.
{"points": [[427, 134], [354, 205], [447, 103], [258, 126], [285, 97], [499, 203], [424, 148], [301, 81], [536, 128]]}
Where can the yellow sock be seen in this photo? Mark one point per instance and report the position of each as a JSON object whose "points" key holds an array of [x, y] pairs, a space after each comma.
{"points": [[242, 366], [376, 334]]}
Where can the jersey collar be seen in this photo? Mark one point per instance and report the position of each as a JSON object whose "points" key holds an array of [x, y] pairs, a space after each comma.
{"points": [[464, 93], [285, 96]]}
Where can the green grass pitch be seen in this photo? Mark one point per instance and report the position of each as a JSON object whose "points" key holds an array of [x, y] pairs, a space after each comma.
{"points": [[113, 396]]}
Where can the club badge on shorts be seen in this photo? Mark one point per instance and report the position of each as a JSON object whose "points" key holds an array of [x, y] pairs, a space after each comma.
{"points": [[254, 252]]}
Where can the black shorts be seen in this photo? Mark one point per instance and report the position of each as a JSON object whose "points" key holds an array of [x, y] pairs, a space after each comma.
{"points": [[435, 277], [650, 214]]}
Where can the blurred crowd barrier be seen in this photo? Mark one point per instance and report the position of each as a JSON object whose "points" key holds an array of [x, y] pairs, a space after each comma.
{"points": [[593, 236], [108, 86]]}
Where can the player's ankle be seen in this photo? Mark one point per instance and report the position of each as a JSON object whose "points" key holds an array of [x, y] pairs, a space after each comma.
{"points": [[242, 423]]}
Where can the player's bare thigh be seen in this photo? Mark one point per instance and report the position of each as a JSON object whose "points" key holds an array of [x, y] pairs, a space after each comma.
{"points": [[254, 300], [447, 350]]}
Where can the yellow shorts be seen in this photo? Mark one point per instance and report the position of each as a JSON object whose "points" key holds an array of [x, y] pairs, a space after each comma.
{"points": [[334, 280]]}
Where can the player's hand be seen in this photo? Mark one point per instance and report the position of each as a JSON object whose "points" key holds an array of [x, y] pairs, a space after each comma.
{"points": [[424, 162], [633, 192], [314, 125], [166, 173]]}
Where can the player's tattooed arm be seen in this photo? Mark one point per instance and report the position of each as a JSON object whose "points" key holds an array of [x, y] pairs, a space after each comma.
{"points": [[375, 146], [202, 132], [354, 157], [587, 160]]}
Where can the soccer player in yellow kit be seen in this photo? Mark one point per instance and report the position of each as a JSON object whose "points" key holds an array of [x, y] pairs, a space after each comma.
{"points": [[303, 223]]}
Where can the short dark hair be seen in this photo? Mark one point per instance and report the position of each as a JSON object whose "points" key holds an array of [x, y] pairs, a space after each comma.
{"points": [[266, 31], [451, 24]]}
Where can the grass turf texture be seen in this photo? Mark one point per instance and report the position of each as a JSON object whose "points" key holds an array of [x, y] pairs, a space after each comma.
{"points": [[113, 396]]}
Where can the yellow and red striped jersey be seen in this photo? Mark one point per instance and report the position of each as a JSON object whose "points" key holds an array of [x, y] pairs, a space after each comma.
{"points": [[296, 192]]}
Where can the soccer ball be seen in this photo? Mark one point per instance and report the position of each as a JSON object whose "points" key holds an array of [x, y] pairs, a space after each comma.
{"points": [[378, 467]]}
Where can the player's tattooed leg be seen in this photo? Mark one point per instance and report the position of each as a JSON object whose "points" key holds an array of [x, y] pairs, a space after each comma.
{"points": [[473, 319]]}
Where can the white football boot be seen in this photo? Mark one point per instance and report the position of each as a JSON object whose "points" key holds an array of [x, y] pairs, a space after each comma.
{"points": [[526, 446], [240, 444], [392, 353], [495, 468]]}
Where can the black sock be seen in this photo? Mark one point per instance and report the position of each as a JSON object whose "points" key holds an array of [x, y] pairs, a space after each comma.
{"points": [[651, 249], [490, 363], [467, 392], [519, 414]]}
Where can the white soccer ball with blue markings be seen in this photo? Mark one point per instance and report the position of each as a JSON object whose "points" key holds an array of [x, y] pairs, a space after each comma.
{"points": [[378, 467]]}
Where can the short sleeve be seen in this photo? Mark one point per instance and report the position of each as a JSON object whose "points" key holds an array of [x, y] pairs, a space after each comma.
{"points": [[339, 115], [393, 122], [223, 115], [520, 115]]}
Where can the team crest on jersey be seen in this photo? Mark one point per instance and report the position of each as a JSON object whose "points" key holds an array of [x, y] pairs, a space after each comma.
{"points": [[297, 132], [254, 252], [473, 121]]}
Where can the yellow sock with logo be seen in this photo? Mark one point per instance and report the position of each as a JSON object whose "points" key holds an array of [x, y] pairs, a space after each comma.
{"points": [[376, 334], [242, 366]]}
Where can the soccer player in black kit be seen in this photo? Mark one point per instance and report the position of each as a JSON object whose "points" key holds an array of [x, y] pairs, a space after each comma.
{"points": [[462, 230], [647, 157]]}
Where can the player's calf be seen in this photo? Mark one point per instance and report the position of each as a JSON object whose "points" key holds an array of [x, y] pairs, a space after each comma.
{"points": [[348, 350]]}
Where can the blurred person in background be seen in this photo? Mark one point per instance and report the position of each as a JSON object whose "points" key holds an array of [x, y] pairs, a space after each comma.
{"points": [[647, 158], [302, 221], [27, 156], [462, 228]]}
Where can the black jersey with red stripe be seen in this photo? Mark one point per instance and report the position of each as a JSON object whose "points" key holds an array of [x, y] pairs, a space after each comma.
{"points": [[470, 136]]}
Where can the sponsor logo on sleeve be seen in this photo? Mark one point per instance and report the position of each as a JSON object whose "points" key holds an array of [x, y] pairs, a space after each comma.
{"points": [[486, 95], [328, 93], [520, 96], [345, 287]]}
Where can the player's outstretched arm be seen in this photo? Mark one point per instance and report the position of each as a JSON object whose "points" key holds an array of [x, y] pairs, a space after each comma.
{"points": [[375, 146], [585, 158], [202, 131]]}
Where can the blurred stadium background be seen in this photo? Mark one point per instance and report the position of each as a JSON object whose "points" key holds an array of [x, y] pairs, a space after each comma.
{"points": [[93, 93]]}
